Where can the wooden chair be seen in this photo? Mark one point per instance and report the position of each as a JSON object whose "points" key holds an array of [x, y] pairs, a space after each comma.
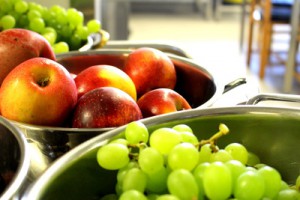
{"points": [[292, 65], [267, 13]]}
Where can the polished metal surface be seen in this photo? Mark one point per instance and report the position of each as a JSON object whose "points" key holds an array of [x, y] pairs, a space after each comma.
{"points": [[125, 44], [14, 161], [49, 143], [269, 132], [273, 97], [95, 40]]}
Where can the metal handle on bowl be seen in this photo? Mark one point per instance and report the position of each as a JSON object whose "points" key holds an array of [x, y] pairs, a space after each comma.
{"points": [[233, 84], [96, 40], [101, 39], [273, 97]]}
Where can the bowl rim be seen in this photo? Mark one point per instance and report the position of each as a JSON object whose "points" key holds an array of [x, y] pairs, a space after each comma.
{"points": [[20, 177], [62, 163], [217, 82]]}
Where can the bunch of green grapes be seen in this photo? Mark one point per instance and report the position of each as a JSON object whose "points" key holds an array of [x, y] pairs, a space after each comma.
{"points": [[171, 164], [65, 29]]}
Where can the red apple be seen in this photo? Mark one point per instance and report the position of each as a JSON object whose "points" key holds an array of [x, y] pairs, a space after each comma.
{"points": [[160, 101], [105, 107], [39, 91], [104, 75], [18, 45], [149, 69]]}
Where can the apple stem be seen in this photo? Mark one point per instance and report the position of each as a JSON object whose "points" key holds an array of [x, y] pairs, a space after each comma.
{"points": [[43, 82]]}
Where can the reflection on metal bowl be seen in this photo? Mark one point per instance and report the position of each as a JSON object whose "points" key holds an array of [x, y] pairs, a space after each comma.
{"points": [[194, 82], [271, 133], [14, 160], [96, 40]]}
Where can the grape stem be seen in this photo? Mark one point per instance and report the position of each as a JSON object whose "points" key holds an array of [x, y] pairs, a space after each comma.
{"points": [[223, 130], [139, 146]]}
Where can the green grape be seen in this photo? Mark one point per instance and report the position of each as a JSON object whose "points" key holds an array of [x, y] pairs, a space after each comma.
{"points": [[260, 165], [109, 197], [253, 159], [49, 17], [36, 6], [188, 137], [182, 184], [217, 181], [21, 6], [62, 19], [221, 155], [50, 34], [121, 172], [66, 31], [182, 128], [150, 160], [152, 196], [68, 23], [236, 168], [249, 168], [297, 184], [57, 9], [164, 139], [60, 47], [60, 14], [183, 156], [272, 180], [157, 182], [198, 174], [118, 188], [204, 153], [6, 7], [120, 141], [74, 16], [284, 185], [132, 194], [238, 152], [134, 179], [136, 132], [167, 197], [23, 21], [93, 26], [15, 15], [113, 156], [288, 194], [7, 22], [75, 42], [49, 30], [33, 14], [82, 32], [249, 186], [50, 37], [37, 24]]}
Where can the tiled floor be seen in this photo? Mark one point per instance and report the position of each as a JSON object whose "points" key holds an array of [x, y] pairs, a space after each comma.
{"points": [[213, 44]]}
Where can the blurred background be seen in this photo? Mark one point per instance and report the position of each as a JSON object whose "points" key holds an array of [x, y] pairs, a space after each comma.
{"points": [[213, 32]]}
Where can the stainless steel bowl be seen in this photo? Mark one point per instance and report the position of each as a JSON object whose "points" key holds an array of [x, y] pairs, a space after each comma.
{"points": [[14, 161], [194, 82], [271, 133]]}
